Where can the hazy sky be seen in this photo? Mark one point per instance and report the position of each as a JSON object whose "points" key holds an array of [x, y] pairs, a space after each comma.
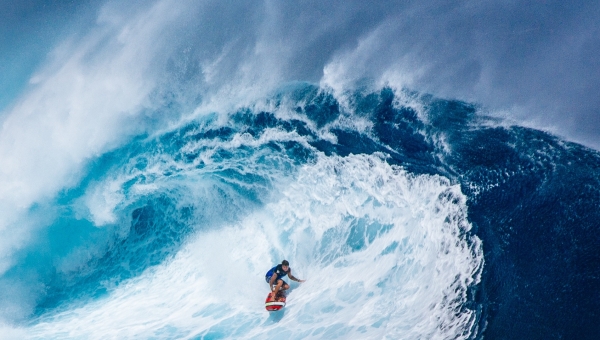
{"points": [[537, 61]]}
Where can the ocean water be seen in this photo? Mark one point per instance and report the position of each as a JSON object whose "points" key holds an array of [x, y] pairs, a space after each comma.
{"points": [[409, 215]]}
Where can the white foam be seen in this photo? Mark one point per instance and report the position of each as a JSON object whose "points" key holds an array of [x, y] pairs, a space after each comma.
{"points": [[406, 277], [12, 333]]}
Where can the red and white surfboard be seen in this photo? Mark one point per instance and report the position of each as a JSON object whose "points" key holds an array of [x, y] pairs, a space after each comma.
{"points": [[276, 305]]}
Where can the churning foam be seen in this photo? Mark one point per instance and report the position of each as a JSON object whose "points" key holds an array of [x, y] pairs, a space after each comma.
{"points": [[386, 254]]}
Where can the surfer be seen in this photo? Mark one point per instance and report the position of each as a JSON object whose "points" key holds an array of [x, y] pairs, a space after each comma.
{"points": [[275, 278]]}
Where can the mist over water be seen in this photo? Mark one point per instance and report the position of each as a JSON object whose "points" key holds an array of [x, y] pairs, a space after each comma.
{"points": [[165, 154]]}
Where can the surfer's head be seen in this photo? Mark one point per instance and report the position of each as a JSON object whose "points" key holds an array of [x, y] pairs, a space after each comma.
{"points": [[285, 264]]}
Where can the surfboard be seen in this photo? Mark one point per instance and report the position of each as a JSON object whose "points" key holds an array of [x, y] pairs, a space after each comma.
{"points": [[278, 304]]}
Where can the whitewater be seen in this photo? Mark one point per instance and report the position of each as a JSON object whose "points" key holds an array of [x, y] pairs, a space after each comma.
{"points": [[165, 155]]}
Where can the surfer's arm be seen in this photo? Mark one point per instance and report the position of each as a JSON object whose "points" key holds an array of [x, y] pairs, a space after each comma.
{"points": [[292, 277], [272, 281]]}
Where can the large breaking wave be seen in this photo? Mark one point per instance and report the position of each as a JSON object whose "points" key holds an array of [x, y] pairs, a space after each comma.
{"points": [[187, 221], [151, 175], [371, 196]]}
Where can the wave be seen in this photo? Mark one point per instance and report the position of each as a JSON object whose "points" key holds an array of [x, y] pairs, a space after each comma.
{"points": [[410, 217]]}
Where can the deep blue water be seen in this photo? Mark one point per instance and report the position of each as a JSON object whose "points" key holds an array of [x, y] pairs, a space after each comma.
{"points": [[537, 222]]}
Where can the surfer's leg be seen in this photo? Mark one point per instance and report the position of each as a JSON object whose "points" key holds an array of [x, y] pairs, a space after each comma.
{"points": [[277, 288], [268, 279]]}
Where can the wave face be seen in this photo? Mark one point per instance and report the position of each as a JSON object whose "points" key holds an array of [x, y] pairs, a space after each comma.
{"points": [[410, 217]]}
